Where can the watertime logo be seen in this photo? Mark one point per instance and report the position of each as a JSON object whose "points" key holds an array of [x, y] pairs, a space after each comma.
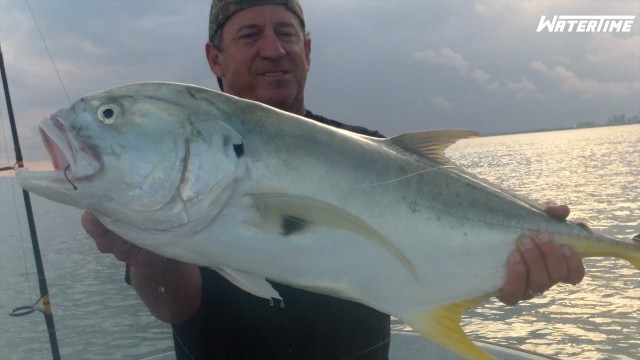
{"points": [[586, 23]]}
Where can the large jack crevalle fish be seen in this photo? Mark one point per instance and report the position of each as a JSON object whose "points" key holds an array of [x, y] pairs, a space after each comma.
{"points": [[259, 194]]}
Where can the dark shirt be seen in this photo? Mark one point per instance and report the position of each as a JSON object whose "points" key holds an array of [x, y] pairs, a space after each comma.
{"points": [[233, 324]]}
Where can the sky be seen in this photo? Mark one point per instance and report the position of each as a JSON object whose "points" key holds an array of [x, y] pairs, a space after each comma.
{"points": [[392, 65]]}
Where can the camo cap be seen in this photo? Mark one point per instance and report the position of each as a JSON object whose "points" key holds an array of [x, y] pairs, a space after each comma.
{"points": [[222, 10]]}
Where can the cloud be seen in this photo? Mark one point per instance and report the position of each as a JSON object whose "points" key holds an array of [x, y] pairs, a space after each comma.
{"points": [[480, 76], [523, 88], [569, 82], [507, 9], [441, 102], [538, 66], [621, 55], [444, 56]]}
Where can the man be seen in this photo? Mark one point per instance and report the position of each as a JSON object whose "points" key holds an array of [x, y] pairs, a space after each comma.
{"points": [[259, 50]]}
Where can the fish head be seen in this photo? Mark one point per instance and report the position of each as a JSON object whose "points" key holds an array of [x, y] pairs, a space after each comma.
{"points": [[140, 158]]}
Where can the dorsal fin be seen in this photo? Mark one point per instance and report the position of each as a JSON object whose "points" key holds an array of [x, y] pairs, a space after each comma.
{"points": [[431, 144]]}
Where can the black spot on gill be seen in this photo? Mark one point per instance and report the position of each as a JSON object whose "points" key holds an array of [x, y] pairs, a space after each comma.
{"points": [[239, 150], [292, 224]]}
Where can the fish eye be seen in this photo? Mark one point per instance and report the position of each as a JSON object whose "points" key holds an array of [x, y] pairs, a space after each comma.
{"points": [[108, 113]]}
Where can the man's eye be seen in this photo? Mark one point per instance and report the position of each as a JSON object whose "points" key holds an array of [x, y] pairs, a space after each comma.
{"points": [[287, 35], [248, 36]]}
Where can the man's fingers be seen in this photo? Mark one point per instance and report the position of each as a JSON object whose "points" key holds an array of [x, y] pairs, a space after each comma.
{"points": [[560, 212], [538, 264], [575, 267], [93, 226], [554, 260], [515, 284], [109, 242], [537, 277]]}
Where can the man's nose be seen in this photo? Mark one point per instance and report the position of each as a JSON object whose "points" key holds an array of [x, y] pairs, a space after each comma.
{"points": [[270, 46]]}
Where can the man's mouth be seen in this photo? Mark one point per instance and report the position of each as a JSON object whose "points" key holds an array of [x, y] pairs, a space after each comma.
{"points": [[274, 73]]}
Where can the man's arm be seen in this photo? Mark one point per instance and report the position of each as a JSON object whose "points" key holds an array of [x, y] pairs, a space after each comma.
{"points": [[170, 289]]}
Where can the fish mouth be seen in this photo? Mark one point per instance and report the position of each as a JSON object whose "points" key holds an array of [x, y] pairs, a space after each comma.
{"points": [[73, 161]]}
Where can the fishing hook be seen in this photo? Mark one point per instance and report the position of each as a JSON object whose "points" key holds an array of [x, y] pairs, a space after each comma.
{"points": [[67, 177]]}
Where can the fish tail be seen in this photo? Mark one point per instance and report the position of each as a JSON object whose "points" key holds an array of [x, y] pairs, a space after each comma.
{"points": [[442, 326], [635, 260], [605, 246]]}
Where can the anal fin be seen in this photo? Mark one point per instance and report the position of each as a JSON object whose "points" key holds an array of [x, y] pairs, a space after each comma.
{"points": [[253, 284], [442, 326]]}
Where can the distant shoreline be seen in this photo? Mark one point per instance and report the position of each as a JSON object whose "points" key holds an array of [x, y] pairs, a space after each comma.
{"points": [[555, 129]]}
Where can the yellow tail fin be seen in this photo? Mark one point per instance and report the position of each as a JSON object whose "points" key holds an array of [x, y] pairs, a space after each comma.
{"points": [[634, 259], [603, 246], [442, 326]]}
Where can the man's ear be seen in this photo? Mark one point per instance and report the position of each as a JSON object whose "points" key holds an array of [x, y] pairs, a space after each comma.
{"points": [[307, 51], [213, 58]]}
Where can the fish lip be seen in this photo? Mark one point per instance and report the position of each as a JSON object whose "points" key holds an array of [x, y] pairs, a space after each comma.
{"points": [[75, 160], [58, 155]]}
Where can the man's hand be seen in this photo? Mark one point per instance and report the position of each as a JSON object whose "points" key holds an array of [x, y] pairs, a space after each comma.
{"points": [[109, 242], [170, 289], [539, 263]]}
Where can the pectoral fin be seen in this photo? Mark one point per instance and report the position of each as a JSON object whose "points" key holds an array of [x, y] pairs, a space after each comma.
{"points": [[294, 214], [253, 284], [442, 326]]}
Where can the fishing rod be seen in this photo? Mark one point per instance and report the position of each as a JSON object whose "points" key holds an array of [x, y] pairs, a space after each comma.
{"points": [[46, 309]]}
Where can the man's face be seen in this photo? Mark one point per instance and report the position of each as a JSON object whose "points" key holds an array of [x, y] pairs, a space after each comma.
{"points": [[265, 57]]}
